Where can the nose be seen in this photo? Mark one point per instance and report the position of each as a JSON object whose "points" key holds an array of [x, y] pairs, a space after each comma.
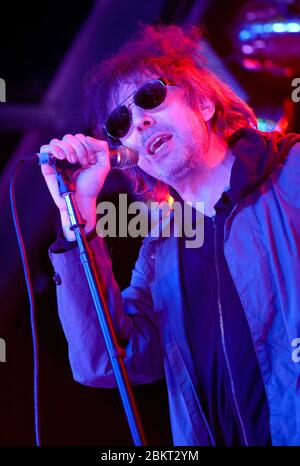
{"points": [[141, 119]]}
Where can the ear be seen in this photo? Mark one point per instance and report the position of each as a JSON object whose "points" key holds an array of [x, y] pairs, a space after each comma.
{"points": [[207, 109]]}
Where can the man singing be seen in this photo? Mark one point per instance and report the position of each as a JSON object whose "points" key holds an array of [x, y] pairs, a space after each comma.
{"points": [[217, 321]]}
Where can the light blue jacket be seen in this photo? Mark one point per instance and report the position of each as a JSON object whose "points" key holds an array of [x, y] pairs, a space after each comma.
{"points": [[262, 249]]}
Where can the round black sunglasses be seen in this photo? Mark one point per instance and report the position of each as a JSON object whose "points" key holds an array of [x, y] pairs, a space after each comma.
{"points": [[149, 96]]}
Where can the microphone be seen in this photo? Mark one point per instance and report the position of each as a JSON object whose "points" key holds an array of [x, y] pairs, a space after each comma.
{"points": [[121, 157]]}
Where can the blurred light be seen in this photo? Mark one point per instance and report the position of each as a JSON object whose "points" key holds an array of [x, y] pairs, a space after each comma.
{"points": [[251, 64], [282, 125], [279, 27], [170, 201], [271, 40], [266, 125], [260, 44], [250, 31], [293, 27], [247, 49], [268, 27], [251, 16], [256, 28], [272, 117], [245, 35]]}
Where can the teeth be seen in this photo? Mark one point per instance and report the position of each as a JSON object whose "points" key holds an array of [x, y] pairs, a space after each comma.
{"points": [[158, 144], [155, 144], [160, 148]]}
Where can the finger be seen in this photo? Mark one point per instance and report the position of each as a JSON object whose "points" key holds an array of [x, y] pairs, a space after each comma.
{"points": [[54, 150], [97, 144], [101, 149], [90, 151], [53, 187], [47, 169], [68, 150], [79, 148]]}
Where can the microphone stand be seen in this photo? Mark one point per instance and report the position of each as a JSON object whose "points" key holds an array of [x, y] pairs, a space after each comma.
{"points": [[116, 353]]}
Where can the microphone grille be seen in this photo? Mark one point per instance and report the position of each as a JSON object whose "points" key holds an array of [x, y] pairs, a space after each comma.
{"points": [[129, 157]]}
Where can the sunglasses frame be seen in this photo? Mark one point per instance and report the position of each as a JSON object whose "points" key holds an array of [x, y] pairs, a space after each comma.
{"points": [[166, 82]]}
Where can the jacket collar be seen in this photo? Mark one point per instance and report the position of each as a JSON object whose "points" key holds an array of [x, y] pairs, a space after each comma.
{"points": [[257, 155]]}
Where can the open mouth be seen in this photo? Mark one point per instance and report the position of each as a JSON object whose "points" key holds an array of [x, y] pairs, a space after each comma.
{"points": [[158, 143]]}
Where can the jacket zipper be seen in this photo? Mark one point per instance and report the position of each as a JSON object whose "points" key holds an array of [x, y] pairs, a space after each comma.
{"points": [[220, 314]]}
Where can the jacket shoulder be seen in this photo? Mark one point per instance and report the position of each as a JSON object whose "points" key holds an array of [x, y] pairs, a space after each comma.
{"points": [[295, 150], [288, 177]]}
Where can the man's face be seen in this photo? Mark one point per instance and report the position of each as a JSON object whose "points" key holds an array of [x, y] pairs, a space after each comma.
{"points": [[183, 131]]}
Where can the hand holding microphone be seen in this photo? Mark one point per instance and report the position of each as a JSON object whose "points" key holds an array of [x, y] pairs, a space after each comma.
{"points": [[92, 160]]}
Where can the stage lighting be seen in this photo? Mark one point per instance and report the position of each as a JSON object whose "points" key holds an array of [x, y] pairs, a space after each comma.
{"points": [[267, 37]]}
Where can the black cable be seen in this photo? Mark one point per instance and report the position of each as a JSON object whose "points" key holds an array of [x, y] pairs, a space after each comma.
{"points": [[26, 270]]}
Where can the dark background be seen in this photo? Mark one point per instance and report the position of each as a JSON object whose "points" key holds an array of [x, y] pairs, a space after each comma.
{"points": [[35, 39]]}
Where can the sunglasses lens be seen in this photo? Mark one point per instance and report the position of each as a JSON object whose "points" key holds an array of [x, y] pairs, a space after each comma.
{"points": [[118, 122], [151, 95]]}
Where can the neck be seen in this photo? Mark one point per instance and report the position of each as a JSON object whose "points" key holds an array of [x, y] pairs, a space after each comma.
{"points": [[207, 182]]}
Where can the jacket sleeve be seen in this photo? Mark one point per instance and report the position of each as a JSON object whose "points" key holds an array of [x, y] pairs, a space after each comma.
{"points": [[132, 314]]}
